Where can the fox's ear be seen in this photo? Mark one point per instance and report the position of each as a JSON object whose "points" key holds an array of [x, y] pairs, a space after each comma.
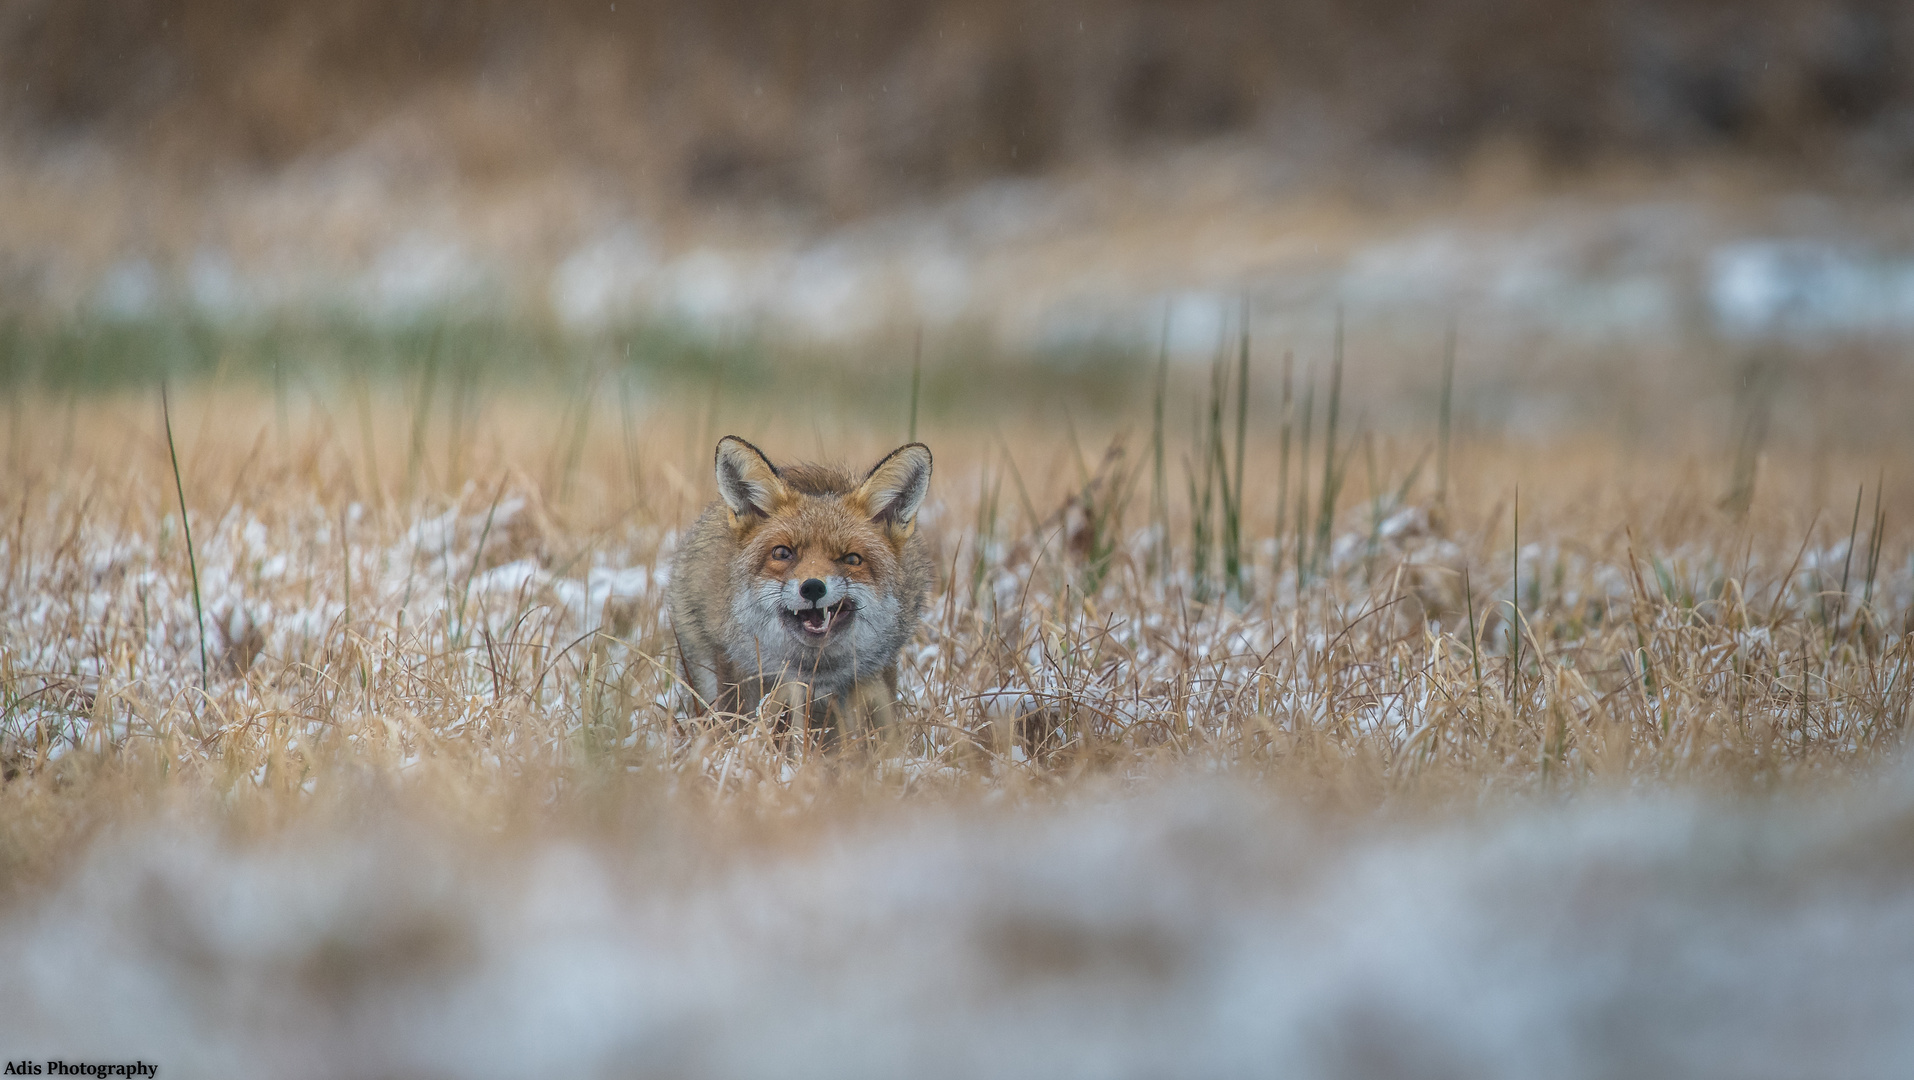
{"points": [[747, 481], [897, 485]]}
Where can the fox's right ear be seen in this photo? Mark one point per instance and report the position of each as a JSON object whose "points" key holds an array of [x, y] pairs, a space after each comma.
{"points": [[747, 481], [897, 485]]}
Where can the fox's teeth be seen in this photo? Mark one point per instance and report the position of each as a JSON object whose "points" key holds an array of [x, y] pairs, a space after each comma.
{"points": [[818, 620]]}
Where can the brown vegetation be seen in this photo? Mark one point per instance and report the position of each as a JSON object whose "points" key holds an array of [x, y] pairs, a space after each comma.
{"points": [[842, 105], [393, 601]]}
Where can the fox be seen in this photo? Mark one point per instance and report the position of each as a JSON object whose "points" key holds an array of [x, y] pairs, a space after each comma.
{"points": [[803, 583]]}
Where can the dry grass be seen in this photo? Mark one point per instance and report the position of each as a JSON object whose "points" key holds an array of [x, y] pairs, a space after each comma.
{"points": [[466, 621]]}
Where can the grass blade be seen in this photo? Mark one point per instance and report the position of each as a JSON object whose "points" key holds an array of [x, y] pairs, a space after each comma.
{"points": [[1475, 655], [186, 526], [1326, 512], [1847, 561], [1877, 528], [1302, 485], [1515, 603]]}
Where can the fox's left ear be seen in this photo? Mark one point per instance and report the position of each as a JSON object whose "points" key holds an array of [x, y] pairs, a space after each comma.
{"points": [[897, 485]]}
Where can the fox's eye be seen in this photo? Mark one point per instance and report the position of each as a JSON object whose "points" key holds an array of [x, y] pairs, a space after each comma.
{"points": [[853, 559], [781, 553]]}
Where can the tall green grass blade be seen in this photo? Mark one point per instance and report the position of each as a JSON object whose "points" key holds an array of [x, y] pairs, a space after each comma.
{"points": [[186, 526], [1375, 508], [988, 491], [1877, 528], [1515, 604], [1215, 472], [1233, 515], [1326, 512], [1302, 484], [1847, 561]]}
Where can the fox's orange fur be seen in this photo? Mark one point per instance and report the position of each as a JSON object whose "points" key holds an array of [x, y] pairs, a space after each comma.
{"points": [[802, 583]]}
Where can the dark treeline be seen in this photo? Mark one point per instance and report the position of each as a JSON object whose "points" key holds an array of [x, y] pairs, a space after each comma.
{"points": [[847, 104]]}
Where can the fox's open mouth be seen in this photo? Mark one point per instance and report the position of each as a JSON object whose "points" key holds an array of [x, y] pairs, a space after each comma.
{"points": [[820, 621]]}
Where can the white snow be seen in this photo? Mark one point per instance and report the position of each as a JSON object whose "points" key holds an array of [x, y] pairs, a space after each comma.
{"points": [[1194, 929]]}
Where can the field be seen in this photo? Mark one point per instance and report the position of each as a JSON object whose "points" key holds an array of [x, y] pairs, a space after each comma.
{"points": [[1423, 505], [1243, 732]]}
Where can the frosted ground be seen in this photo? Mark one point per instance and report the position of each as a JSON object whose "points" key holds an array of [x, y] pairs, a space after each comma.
{"points": [[1195, 931]]}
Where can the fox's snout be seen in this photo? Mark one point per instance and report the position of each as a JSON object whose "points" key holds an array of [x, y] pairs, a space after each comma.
{"points": [[814, 592]]}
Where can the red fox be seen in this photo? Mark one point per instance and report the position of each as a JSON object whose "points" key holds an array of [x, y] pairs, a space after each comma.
{"points": [[803, 582]]}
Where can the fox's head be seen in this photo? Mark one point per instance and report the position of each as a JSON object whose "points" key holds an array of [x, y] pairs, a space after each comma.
{"points": [[821, 559]]}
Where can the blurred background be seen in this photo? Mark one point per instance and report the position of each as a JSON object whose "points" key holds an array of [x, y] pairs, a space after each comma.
{"points": [[1614, 201]]}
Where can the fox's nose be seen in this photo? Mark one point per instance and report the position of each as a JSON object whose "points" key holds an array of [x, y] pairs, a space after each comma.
{"points": [[812, 589]]}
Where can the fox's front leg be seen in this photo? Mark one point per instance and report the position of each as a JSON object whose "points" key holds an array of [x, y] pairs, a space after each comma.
{"points": [[870, 708], [884, 705]]}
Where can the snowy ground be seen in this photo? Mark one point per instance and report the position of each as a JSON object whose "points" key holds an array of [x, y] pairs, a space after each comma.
{"points": [[1191, 929]]}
